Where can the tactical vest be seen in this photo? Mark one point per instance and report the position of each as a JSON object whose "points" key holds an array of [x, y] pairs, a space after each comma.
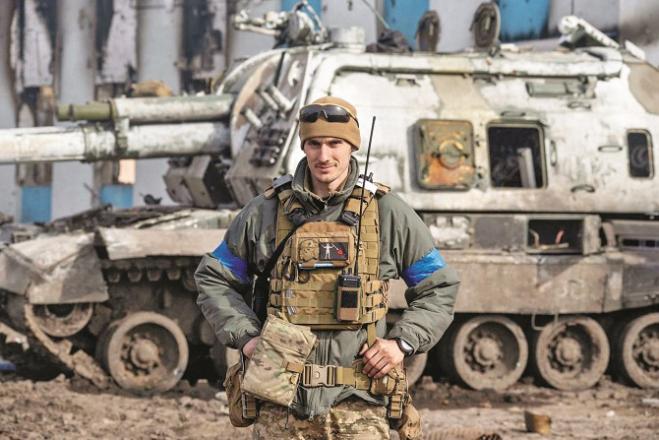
{"points": [[303, 285]]}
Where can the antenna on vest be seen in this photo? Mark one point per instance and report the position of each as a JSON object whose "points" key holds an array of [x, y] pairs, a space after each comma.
{"points": [[348, 303], [361, 200]]}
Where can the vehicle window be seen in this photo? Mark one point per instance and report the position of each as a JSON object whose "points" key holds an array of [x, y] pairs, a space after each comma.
{"points": [[639, 151], [516, 156], [444, 154]]}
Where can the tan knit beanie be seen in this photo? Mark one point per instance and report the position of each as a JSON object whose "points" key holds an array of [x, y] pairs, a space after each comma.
{"points": [[348, 131]]}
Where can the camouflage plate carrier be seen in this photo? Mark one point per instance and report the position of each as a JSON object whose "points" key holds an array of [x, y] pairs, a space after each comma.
{"points": [[304, 288]]}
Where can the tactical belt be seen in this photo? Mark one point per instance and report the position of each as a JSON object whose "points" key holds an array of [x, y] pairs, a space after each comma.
{"points": [[313, 375]]}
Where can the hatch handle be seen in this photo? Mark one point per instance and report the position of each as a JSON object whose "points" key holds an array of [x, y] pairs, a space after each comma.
{"points": [[553, 154], [609, 148], [583, 187]]}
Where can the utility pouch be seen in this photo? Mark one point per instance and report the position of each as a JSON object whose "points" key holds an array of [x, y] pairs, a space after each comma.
{"points": [[387, 385], [348, 304], [409, 425], [242, 406], [274, 370]]}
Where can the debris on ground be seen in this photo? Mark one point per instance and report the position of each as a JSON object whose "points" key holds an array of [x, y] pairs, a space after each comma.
{"points": [[72, 408], [538, 423]]}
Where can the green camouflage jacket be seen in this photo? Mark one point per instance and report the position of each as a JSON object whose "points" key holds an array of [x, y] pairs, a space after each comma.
{"points": [[224, 280]]}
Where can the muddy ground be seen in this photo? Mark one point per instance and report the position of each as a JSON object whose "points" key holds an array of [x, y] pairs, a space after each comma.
{"points": [[73, 409]]}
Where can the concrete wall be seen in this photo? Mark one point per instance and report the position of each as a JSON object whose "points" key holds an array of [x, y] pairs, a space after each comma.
{"points": [[455, 18], [639, 23], [356, 13], [602, 14], [73, 187], [159, 49], [9, 194]]}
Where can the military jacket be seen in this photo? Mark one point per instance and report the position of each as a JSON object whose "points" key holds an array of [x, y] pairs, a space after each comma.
{"points": [[224, 279]]}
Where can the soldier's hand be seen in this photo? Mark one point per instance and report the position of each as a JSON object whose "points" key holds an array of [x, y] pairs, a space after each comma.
{"points": [[381, 357], [248, 348]]}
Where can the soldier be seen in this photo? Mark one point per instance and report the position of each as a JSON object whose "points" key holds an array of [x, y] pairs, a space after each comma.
{"points": [[325, 194]]}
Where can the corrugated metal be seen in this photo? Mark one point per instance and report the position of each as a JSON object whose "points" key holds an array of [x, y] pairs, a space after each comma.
{"points": [[36, 203], [119, 196], [523, 19], [404, 16]]}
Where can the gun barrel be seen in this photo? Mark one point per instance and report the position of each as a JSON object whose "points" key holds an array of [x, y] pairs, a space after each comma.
{"points": [[150, 110], [92, 143]]}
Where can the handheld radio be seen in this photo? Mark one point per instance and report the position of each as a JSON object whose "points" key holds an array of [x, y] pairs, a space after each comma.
{"points": [[349, 285]]}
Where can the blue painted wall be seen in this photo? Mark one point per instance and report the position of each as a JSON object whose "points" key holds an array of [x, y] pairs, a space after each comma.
{"points": [[119, 196], [36, 204], [287, 5], [523, 19], [404, 15]]}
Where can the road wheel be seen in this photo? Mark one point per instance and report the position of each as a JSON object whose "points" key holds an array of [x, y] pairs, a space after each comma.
{"points": [[571, 353], [145, 352], [636, 351], [62, 320], [487, 352]]}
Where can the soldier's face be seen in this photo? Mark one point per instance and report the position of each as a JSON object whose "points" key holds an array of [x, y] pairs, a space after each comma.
{"points": [[328, 158]]}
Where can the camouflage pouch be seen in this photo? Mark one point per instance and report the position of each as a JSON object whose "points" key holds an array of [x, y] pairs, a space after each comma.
{"points": [[395, 381], [409, 425], [274, 370], [242, 408]]}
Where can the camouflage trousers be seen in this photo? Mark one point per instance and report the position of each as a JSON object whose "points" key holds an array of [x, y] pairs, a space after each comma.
{"points": [[351, 419]]}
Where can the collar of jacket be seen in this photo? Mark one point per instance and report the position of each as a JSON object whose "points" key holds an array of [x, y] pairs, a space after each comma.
{"points": [[312, 203]]}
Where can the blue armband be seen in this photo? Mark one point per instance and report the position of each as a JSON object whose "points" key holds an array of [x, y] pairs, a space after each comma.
{"points": [[236, 265], [423, 268]]}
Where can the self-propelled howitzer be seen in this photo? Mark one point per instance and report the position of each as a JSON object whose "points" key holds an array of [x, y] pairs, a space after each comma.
{"points": [[536, 173]]}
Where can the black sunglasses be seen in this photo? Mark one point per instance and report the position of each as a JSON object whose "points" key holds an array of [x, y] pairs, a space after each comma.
{"points": [[329, 112]]}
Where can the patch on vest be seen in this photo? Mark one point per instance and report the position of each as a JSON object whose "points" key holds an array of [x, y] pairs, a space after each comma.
{"points": [[337, 250]]}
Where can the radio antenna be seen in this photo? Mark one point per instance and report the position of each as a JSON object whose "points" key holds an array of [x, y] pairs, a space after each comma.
{"points": [[361, 200]]}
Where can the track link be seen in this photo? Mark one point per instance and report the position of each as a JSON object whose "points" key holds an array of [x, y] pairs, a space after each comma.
{"points": [[61, 352]]}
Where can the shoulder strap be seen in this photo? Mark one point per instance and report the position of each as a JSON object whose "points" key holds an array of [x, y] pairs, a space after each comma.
{"points": [[278, 184], [262, 283], [352, 205], [382, 189]]}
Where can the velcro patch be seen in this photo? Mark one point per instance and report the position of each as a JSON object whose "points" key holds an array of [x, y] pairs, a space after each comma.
{"points": [[337, 250]]}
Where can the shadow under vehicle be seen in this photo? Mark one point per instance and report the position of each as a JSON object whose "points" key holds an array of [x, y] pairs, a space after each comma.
{"points": [[535, 171]]}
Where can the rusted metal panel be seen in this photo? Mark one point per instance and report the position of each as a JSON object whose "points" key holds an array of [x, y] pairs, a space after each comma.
{"points": [[530, 283], [136, 243], [444, 154], [640, 281], [119, 54], [614, 282], [636, 228], [570, 284], [60, 269], [16, 272], [79, 279]]}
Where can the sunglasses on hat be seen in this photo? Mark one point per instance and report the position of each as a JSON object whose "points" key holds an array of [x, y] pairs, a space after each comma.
{"points": [[329, 112]]}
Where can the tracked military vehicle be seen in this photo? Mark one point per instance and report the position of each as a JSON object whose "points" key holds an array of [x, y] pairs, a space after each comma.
{"points": [[535, 171]]}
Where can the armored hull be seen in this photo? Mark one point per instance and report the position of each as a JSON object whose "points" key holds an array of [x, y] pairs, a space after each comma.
{"points": [[534, 171]]}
